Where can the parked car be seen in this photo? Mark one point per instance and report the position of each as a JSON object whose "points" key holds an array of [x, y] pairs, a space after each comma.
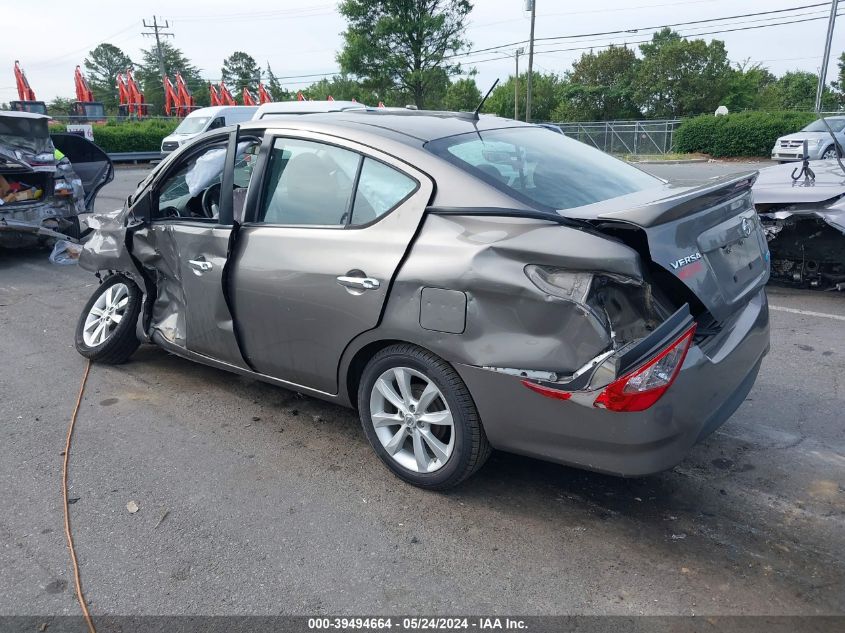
{"points": [[819, 144], [464, 283], [42, 191], [804, 221], [203, 120], [278, 108]]}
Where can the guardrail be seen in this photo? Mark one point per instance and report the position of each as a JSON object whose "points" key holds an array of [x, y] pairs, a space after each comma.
{"points": [[134, 157]]}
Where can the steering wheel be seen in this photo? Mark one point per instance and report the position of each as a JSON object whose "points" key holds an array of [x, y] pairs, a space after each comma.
{"points": [[211, 201]]}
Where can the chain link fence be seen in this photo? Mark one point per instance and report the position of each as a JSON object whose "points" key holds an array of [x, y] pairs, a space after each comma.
{"points": [[625, 137]]}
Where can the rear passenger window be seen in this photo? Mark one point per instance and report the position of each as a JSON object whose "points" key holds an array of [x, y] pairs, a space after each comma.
{"points": [[309, 184], [380, 190]]}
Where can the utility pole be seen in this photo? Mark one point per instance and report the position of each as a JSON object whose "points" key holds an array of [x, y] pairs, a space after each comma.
{"points": [[533, 4], [157, 31], [823, 70], [516, 55]]}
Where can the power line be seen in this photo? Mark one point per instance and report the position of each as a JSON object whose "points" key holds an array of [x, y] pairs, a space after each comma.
{"points": [[584, 48], [644, 28]]}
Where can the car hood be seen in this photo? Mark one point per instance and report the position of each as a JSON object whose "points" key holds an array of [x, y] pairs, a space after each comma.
{"points": [[800, 136], [776, 186]]}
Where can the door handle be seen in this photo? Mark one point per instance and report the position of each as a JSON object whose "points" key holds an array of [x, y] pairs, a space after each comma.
{"points": [[360, 283], [200, 264]]}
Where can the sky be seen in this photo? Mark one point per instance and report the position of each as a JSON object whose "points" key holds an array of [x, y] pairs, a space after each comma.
{"points": [[298, 37]]}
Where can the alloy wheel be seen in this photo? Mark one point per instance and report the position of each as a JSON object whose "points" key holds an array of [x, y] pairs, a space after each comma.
{"points": [[106, 313], [829, 153], [412, 420]]}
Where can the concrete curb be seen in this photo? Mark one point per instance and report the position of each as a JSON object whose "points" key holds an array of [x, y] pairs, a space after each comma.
{"points": [[680, 161]]}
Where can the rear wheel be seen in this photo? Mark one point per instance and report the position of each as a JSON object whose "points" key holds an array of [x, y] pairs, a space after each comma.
{"points": [[420, 419], [106, 329]]}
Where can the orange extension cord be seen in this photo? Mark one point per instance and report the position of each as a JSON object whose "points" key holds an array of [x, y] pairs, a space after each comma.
{"points": [[79, 595]]}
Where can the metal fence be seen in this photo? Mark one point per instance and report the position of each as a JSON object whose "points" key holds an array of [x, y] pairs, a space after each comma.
{"points": [[625, 137]]}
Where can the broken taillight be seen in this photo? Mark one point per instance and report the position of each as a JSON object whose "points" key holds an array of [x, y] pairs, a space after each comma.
{"points": [[638, 389], [641, 388]]}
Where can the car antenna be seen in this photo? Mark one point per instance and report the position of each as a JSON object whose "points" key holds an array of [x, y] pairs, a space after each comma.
{"points": [[836, 145], [480, 105]]}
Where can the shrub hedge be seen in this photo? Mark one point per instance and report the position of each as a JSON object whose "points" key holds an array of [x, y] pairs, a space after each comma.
{"points": [[130, 136], [135, 136], [741, 134]]}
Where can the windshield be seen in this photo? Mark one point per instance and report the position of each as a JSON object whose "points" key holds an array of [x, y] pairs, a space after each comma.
{"points": [[818, 125], [31, 135], [192, 125], [542, 167]]}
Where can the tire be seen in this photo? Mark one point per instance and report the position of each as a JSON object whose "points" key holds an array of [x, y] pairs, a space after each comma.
{"points": [[829, 153], [116, 341], [460, 449]]}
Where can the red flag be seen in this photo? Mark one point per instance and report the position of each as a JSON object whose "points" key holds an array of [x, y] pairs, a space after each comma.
{"points": [[300, 96]]}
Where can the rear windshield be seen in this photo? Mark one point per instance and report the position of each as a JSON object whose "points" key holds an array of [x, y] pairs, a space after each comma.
{"points": [[818, 125], [192, 125], [31, 135], [542, 167]]}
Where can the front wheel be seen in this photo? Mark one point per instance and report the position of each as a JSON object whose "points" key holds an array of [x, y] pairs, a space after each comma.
{"points": [[829, 153], [106, 329], [420, 419]]}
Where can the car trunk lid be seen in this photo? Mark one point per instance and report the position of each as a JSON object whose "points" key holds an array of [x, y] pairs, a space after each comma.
{"points": [[708, 237]]}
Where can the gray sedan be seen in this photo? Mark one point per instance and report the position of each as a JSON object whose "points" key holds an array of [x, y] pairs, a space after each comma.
{"points": [[465, 283]]}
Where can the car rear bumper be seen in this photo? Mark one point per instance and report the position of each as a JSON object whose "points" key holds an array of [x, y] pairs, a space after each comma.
{"points": [[717, 375]]}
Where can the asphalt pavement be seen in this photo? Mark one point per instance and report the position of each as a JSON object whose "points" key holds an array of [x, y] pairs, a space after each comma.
{"points": [[254, 500]]}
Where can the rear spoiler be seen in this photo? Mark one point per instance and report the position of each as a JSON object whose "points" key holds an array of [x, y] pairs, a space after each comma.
{"points": [[675, 205]]}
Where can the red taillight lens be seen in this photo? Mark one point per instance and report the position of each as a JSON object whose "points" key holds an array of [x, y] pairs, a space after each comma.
{"points": [[641, 388], [557, 394]]}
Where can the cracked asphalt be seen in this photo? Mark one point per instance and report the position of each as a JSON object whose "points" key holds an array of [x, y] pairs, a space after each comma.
{"points": [[254, 500]]}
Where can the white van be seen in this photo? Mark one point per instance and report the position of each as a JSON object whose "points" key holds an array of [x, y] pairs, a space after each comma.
{"points": [[280, 108], [205, 119]]}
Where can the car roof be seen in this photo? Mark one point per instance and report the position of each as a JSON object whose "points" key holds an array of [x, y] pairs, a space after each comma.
{"points": [[414, 127], [302, 107], [23, 115], [213, 110]]}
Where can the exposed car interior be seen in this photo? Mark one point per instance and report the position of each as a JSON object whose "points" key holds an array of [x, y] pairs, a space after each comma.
{"points": [[193, 191]]}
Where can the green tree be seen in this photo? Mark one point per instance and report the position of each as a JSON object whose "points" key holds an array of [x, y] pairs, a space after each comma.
{"points": [[600, 87], [545, 96], [678, 77], [747, 85], [60, 106], [102, 66], [839, 82], [274, 87], [403, 46], [462, 95], [342, 88], [240, 71], [796, 90], [149, 77]]}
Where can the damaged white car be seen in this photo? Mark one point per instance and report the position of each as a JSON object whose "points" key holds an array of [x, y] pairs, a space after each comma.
{"points": [[802, 210], [46, 180]]}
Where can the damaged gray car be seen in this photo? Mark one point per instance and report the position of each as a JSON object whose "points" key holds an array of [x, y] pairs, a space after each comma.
{"points": [[46, 181], [465, 283]]}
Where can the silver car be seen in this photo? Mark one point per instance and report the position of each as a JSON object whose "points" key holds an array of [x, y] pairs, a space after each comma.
{"points": [[819, 143], [464, 283]]}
